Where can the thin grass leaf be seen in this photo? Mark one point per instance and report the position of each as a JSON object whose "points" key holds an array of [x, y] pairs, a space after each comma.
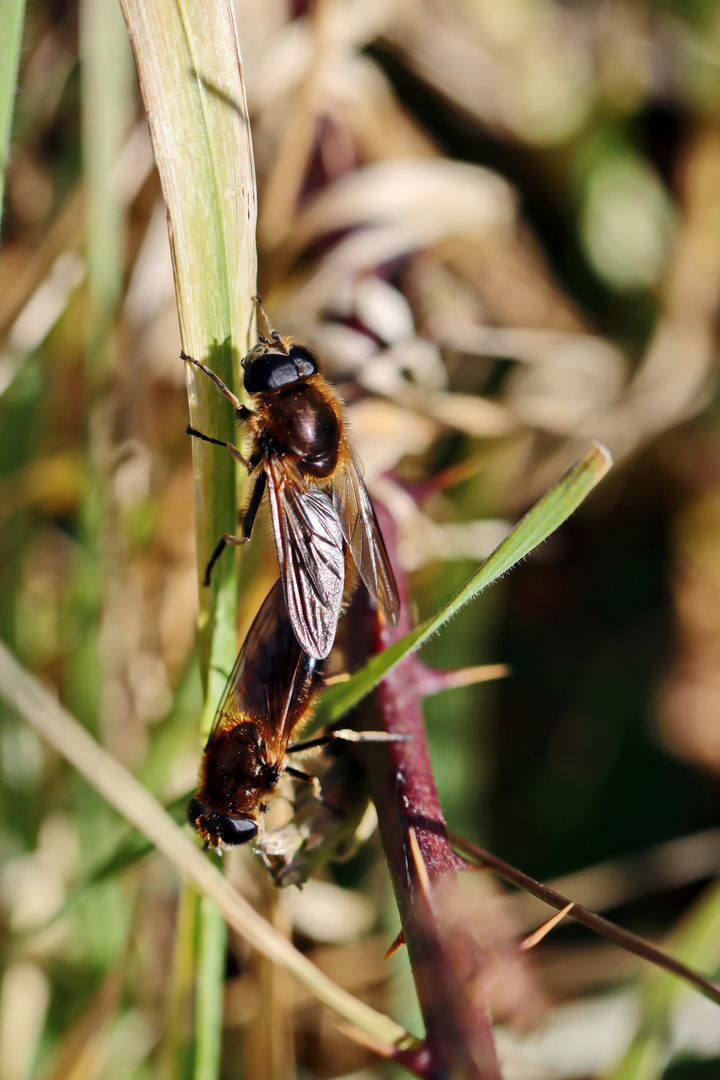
{"points": [[176, 1052], [555, 507], [12, 17], [188, 61], [210, 989], [108, 106]]}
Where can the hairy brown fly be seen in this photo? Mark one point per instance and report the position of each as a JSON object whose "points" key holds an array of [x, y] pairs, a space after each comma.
{"points": [[268, 698], [269, 695], [323, 521]]}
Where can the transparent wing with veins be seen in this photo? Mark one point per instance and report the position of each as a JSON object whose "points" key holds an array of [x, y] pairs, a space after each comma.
{"points": [[362, 535], [273, 681], [309, 542]]}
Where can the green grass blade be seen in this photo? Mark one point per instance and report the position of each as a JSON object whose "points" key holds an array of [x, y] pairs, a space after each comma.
{"points": [[210, 985], [108, 102], [12, 17], [544, 518], [176, 1050], [188, 62]]}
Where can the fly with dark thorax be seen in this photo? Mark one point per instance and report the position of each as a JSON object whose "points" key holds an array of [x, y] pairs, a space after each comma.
{"points": [[269, 695], [268, 698], [323, 521]]}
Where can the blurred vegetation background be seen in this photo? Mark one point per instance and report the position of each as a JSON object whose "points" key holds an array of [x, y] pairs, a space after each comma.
{"points": [[499, 225]]}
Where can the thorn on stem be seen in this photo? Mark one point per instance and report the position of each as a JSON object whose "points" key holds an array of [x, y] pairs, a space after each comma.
{"points": [[537, 935], [420, 867], [396, 945]]}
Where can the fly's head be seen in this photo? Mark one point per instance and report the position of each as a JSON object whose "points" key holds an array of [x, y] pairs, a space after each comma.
{"points": [[218, 829], [274, 364]]}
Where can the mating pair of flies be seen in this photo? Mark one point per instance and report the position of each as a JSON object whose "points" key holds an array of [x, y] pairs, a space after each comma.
{"points": [[327, 537]]}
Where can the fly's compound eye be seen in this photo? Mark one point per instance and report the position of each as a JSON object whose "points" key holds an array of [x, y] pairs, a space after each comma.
{"points": [[233, 831], [255, 352], [266, 370], [304, 361]]}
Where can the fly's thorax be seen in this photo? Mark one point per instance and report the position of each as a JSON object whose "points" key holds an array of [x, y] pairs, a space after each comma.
{"points": [[236, 773], [303, 421]]}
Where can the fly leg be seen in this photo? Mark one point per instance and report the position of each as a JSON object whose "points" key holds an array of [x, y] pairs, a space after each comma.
{"points": [[228, 538], [218, 442], [242, 411], [308, 778], [347, 735], [255, 499], [247, 524]]}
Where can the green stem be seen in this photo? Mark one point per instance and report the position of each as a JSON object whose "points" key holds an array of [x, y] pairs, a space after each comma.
{"points": [[12, 17]]}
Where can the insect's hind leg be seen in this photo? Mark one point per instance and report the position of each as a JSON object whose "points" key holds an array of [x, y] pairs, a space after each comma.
{"points": [[347, 735], [250, 514], [247, 525], [223, 542]]}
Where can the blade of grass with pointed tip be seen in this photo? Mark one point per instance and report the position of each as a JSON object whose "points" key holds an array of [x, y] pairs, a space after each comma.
{"points": [[12, 17], [555, 506], [188, 62]]}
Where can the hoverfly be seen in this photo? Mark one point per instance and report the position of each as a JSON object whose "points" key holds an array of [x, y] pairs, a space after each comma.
{"points": [[269, 694], [268, 697], [323, 521]]}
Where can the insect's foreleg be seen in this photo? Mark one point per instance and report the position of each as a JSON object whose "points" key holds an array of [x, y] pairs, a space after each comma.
{"points": [[219, 442], [243, 412]]}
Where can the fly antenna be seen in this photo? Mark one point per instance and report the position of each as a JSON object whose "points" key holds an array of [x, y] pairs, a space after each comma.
{"points": [[283, 322]]}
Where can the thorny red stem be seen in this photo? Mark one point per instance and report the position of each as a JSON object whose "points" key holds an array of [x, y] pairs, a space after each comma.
{"points": [[447, 963]]}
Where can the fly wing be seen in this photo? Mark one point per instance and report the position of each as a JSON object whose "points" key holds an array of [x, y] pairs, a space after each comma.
{"points": [[363, 537], [309, 542], [273, 681]]}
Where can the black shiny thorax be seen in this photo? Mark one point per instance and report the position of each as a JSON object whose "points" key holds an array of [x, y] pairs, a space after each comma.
{"points": [[301, 421]]}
